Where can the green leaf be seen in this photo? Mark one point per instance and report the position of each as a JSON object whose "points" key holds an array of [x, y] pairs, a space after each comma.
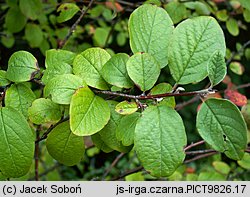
{"points": [[89, 64], [246, 14], [222, 15], [100, 36], [245, 161], [99, 143], [216, 68], [34, 35], [220, 124], [3, 79], [236, 68], [126, 129], [150, 30], [16, 143], [177, 11], [57, 62], [64, 146], [221, 167], [108, 133], [126, 107], [67, 11], [245, 4], [8, 41], [232, 27], [62, 87], [193, 42], [144, 70], [162, 88], [211, 176], [159, 140], [88, 113], [22, 66], [245, 110], [115, 72], [13, 15], [31, 9], [44, 111], [20, 97]]}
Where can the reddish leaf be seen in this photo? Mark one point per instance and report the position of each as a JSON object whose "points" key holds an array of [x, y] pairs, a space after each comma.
{"points": [[236, 97], [190, 170], [114, 6]]}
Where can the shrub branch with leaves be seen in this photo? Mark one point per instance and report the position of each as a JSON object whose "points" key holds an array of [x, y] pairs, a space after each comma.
{"points": [[117, 99]]}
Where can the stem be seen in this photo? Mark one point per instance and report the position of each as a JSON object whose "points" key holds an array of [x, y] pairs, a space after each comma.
{"points": [[199, 152], [138, 169], [73, 27], [200, 157], [146, 97], [46, 133], [193, 145], [112, 165]]}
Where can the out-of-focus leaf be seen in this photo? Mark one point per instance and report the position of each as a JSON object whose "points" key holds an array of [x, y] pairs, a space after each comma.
{"points": [[67, 11], [236, 97]]}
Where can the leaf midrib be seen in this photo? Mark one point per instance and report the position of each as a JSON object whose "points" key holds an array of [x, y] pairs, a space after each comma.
{"points": [[190, 57], [221, 128]]}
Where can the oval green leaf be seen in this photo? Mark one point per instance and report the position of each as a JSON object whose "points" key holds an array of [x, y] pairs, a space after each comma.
{"points": [[89, 64], [191, 45], [13, 15], [22, 66], [126, 107], [217, 68], [144, 70], [67, 11], [31, 9], [126, 129], [34, 35], [159, 140], [3, 79], [150, 31], [44, 111], [245, 161], [62, 87], [115, 72], [57, 62], [88, 113], [220, 124], [20, 97], [177, 11], [17, 143], [99, 143], [64, 146], [232, 27], [108, 133]]}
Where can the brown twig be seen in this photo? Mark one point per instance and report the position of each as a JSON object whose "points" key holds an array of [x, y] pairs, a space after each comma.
{"points": [[199, 152], [112, 165], [73, 27], [137, 169], [200, 157], [146, 97], [46, 133], [193, 145]]}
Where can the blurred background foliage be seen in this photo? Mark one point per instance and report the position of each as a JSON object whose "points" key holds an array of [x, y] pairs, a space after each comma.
{"points": [[39, 25]]}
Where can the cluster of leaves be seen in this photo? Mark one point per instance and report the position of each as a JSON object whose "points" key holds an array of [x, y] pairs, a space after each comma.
{"points": [[71, 101], [193, 50]]}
